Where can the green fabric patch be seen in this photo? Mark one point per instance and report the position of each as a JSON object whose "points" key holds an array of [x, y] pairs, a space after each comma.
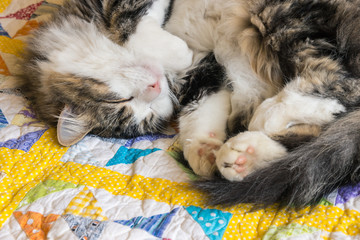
{"points": [[291, 230], [43, 189]]}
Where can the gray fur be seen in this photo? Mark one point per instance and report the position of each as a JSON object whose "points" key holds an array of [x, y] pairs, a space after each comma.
{"points": [[93, 105]]}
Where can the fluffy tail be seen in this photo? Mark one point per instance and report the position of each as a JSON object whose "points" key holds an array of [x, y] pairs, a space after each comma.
{"points": [[303, 176]]}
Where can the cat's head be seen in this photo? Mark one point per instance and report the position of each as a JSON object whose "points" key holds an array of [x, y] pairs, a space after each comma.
{"points": [[89, 84]]}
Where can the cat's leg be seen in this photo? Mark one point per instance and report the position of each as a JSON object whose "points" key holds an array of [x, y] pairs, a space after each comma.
{"points": [[289, 114], [293, 107], [203, 130], [238, 156]]}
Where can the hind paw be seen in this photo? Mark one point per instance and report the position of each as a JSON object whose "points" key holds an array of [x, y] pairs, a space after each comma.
{"points": [[200, 154], [246, 152]]}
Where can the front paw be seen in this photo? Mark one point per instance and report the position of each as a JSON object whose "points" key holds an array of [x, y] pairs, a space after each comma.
{"points": [[200, 153], [245, 153]]}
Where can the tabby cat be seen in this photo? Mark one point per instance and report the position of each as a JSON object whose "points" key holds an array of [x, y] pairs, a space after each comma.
{"points": [[303, 141]]}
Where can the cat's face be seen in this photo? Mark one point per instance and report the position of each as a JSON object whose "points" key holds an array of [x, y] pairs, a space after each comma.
{"points": [[102, 87], [91, 105]]}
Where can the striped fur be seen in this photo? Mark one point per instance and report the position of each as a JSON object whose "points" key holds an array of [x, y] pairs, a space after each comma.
{"points": [[315, 114], [100, 66]]}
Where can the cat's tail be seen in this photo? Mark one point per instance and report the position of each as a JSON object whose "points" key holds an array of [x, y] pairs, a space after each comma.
{"points": [[303, 176]]}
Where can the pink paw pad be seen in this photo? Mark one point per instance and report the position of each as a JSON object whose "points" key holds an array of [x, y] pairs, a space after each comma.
{"points": [[207, 150], [241, 161]]}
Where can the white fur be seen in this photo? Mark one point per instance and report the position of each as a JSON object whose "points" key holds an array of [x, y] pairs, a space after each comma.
{"points": [[158, 10], [201, 25], [150, 41], [88, 53], [128, 70], [197, 127], [266, 150], [189, 22], [291, 107]]}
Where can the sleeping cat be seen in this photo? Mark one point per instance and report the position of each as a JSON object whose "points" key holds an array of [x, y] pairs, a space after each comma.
{"points": [[301, 143], [105, 67]]}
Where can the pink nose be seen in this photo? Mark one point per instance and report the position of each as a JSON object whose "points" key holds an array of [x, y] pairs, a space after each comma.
{"points": [[152, 92], [155, 87]]}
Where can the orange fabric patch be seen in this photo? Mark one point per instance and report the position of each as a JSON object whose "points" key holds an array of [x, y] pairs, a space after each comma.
{"points": [[25, 30], [35, 225], [3, 68]]}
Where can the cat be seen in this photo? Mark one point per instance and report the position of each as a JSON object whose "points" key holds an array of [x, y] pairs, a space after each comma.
{"points": [[301, 137], [105, 67]]}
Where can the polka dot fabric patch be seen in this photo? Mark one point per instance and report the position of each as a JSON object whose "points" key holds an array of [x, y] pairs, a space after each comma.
{"points": [[123, 188]]}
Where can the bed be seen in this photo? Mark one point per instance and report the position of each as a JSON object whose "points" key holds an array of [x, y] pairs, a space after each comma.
{"points": [[122, 188]]}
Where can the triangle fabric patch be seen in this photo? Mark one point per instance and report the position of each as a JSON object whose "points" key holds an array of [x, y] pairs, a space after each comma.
{"points": [[26, 117], [43, 189], [212, 221], [3, 121], [25, 13], [27, 28], [84, 205], [289, 231], [24, 142], [85, 228], [3, 32], [35, 225], [154, 225], [128, 156], [3, 68]]}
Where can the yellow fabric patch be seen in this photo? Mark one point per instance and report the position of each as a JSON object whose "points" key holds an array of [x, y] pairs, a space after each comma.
{"points": [[83, 205], [21, 119], [4, 4], [11, 46], [25, 170]]}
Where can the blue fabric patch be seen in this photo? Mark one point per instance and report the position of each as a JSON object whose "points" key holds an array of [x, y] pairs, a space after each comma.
{"points": [[3, 32], [346, 193], [85, 228], [154, 225], [128, 156], [24, 142], [212, 221], [3, 121], [151, 138]]}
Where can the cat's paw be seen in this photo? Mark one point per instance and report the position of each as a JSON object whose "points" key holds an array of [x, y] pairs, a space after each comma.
{"points": [[200, 153], [245, 153]]}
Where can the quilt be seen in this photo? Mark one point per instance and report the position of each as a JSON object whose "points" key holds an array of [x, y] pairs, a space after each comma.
{"points": [[122, 188]]}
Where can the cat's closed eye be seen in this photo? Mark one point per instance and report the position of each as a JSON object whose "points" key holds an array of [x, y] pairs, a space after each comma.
{"points": [[121, 100]]}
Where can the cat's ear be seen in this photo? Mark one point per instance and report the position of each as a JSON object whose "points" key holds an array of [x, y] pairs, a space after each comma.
{"points": [[71, 128]]}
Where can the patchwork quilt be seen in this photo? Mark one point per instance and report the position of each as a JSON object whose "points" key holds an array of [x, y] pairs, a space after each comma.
{"points": [[122, 188]]}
